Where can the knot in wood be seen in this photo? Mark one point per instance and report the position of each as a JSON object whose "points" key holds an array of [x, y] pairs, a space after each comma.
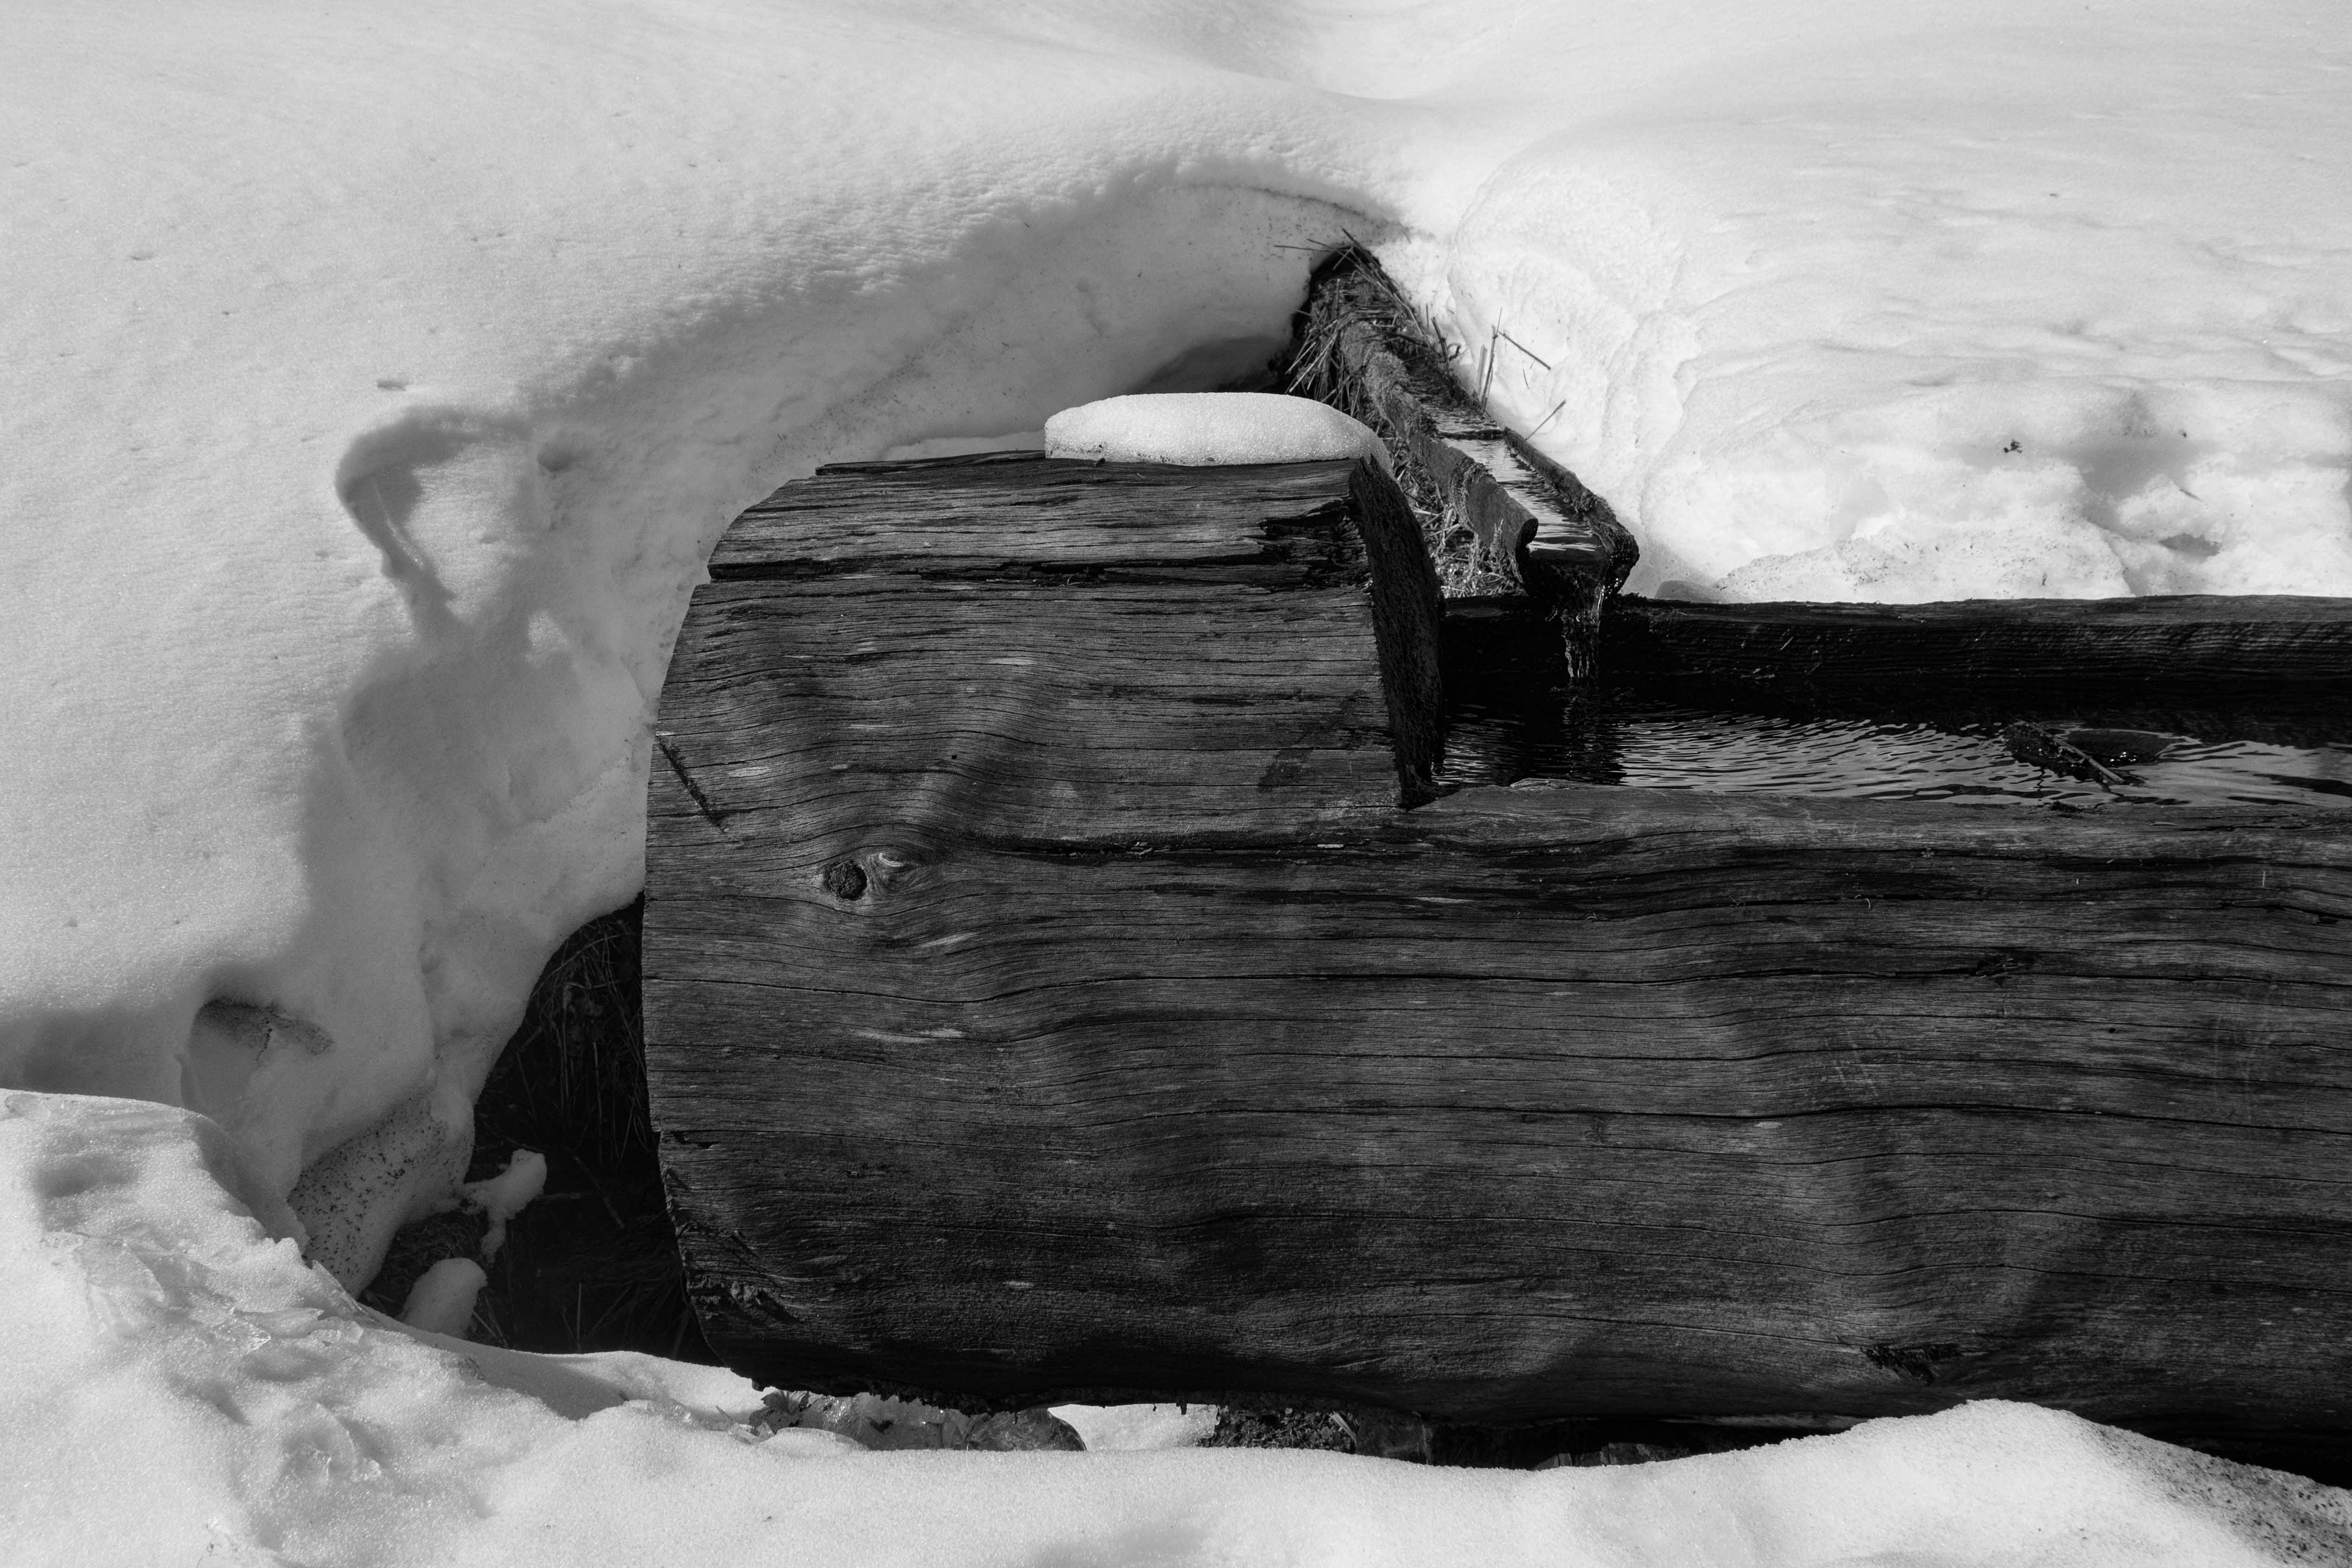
{"points": [[845, 879]]}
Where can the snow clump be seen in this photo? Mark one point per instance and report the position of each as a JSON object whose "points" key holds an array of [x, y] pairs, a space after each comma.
{"points": [[1210, 428]]}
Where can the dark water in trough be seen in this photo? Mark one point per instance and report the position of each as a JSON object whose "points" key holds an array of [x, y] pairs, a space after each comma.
{"points": [[1511, 718]]}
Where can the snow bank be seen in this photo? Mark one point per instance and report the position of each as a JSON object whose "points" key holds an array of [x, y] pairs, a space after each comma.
{"points": [[1206, 428], [155, 1329], [1894, 302]]}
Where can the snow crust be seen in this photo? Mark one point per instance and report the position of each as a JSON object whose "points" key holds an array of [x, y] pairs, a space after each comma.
{"points": [[380, 377], [157, 1327], [1210, 428]]}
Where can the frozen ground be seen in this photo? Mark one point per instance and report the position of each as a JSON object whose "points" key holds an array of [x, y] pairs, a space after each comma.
{"points": [[380, 375]]}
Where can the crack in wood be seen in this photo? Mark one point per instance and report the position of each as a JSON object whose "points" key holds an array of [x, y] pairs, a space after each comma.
{"points": [[710, 813]]}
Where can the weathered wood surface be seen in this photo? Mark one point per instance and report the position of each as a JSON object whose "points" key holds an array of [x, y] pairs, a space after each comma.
{"points": [[1535, 519], [2281, 648], [1031, 1011], [1524, 1104], [1049, 646]]}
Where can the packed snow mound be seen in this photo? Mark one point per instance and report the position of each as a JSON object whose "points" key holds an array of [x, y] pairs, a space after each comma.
{"points": [[1843, 300], [1210, 428], [152, 1326]]}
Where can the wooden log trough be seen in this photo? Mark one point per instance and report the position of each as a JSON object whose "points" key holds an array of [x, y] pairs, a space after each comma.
{"points": [[1066, 978]]}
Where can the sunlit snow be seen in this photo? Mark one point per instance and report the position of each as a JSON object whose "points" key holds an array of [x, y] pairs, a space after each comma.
{"points": [[1209, 428], [380, 375]]}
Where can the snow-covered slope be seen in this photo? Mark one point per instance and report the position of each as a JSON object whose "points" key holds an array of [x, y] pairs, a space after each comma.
{"points": [[380, 375]]}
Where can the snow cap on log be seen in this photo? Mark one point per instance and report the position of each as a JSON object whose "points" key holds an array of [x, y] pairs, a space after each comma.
{"points": [[1205, 428]]}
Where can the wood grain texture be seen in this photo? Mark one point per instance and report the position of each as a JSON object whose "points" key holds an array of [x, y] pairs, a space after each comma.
{"points": [[1527, 1103], [1061, 648], [1046, 997], [985, 516], [2289, 650]]}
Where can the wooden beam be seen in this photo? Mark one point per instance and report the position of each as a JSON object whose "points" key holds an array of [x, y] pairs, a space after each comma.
{"points": [[1529, 1103]]}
